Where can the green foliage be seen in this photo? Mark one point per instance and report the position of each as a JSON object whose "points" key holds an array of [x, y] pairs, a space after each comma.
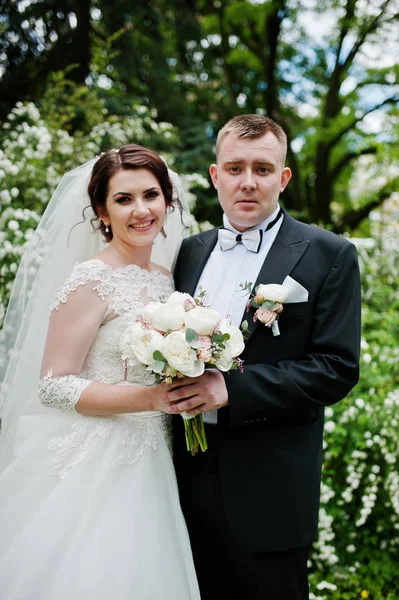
{"points": [[36, 152], [358, 541], [66, 105]]}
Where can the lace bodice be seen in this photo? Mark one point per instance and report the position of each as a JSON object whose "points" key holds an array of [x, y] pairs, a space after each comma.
{"points": [[118, 294], [124, 289]]}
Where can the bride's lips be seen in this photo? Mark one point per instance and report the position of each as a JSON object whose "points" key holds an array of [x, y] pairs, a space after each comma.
{"points": [[144, 226]]}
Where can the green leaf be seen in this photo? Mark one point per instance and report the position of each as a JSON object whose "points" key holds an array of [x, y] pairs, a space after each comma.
{"points": [[217, 337], [158, 366], [244, 326], [159, 357], [191, 335], [270, 305]]}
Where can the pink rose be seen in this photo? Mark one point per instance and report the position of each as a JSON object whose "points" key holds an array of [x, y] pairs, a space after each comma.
{"points": [[267, 317], [204, 355], [204, 352], [206, 342], [189, 304]]}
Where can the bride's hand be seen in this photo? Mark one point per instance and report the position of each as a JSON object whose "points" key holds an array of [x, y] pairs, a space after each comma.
{"points": [[158, 397]]}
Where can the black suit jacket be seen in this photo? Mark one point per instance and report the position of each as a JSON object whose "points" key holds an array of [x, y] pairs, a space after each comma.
{"points": [[271, 432]]}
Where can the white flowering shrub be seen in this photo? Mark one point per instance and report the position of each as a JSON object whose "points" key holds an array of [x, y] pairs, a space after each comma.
{"points": [[358, 545], [35, 155]]}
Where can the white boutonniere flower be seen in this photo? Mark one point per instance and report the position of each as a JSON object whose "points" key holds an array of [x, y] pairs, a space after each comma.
{"points": [[268, 301]]}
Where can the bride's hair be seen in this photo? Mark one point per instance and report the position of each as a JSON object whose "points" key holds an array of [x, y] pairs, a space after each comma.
{"points": [[128, 157]]}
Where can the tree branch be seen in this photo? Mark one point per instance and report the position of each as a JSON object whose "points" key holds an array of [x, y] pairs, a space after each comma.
{"points": [[333, 141], [347, 158], [354, 217]]}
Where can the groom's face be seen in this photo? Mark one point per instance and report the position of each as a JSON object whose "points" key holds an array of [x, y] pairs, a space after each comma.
{"points": [[249, 177]]}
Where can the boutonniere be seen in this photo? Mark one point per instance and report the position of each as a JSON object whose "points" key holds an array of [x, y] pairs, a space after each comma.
{"points": [[268, 301]]}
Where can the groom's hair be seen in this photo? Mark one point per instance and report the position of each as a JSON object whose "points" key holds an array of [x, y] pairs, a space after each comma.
{"points": [[252, 126]]}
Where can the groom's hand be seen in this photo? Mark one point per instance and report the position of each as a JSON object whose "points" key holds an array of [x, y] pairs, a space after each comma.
{"points": [[196, 395]]}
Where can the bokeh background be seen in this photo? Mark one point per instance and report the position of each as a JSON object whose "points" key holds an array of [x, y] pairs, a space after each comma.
{"points": [[78, 77]]}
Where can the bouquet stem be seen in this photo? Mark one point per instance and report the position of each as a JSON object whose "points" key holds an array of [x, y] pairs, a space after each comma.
{"points": [[195, 434]]}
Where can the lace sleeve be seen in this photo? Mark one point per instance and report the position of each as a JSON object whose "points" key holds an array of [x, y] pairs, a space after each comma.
{"points": [[61, 392], [73, 326]]}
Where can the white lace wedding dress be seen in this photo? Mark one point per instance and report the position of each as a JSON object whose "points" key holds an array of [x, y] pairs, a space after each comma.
{"points": [[89, 507]]}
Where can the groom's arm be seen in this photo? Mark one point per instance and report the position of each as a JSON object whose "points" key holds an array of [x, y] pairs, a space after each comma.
{"points": [[295, 388]]}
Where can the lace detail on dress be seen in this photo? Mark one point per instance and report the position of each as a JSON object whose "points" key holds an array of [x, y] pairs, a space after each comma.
{"points": [[129, 287], [90, 270], [74, 448], [134, 287], [138, 432], [126, 291], [61, 392]]}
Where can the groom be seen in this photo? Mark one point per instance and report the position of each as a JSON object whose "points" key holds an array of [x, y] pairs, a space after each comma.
{"points": [[251, 501]]}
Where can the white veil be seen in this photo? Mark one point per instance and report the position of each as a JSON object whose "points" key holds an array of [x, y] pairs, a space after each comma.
{"points": [[64, 237]]}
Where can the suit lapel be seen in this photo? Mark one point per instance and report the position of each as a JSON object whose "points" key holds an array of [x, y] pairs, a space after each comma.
{"points": [[199, 254], [286, 251]]}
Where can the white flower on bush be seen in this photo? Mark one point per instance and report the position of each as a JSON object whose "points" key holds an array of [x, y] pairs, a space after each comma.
{"points": [[202, 320], [181, 356], [329, 426], [141, 343], [168, 317], [13, 225], [271, 291], [5, 196]]}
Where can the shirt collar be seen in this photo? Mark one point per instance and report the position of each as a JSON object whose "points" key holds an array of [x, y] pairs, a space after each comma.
{"points": [[263, 225]]}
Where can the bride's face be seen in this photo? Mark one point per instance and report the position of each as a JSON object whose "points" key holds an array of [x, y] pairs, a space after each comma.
{"points": [[135, 207]]}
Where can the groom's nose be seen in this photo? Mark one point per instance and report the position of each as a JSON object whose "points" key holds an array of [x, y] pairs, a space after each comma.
{"points": [[248, 180]]}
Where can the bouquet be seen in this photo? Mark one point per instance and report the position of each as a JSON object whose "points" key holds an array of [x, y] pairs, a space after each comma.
{"points": [[181, 337]]}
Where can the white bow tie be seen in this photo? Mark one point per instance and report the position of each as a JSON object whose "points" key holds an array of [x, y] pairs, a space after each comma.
{"points": [[251, 239]]}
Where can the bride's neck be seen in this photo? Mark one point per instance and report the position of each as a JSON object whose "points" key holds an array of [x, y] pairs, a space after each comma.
{"points": [[140, 256]]}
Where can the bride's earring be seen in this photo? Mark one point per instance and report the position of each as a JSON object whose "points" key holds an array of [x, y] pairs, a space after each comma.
{"points": [[106, 228]]}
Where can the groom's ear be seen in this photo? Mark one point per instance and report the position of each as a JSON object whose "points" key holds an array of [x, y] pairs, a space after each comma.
{"points": [[213, 172], [285, 177]]}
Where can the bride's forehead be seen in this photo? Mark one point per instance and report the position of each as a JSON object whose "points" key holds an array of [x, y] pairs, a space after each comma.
{"points": [[133, 178]]}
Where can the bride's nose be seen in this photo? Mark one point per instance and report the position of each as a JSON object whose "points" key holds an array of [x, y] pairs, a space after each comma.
{"points": [[140, 209]]}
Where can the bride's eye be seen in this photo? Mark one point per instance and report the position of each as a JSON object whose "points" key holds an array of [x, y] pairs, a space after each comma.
{"points": [[152, 194]]}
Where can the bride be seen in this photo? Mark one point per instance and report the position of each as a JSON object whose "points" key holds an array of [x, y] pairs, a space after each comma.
{"points": [[89, 505]]}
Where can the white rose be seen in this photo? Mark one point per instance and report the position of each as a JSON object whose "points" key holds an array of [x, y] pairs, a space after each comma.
{"points": [[272, 291], [181, 356], [235, 345], [224, 361], [202, 320], [142, 343], [177, 298], [168, 317], [149, 311]]}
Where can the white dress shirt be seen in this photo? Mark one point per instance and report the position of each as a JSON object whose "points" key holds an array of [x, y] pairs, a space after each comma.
{"points": [[224, 271]]}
